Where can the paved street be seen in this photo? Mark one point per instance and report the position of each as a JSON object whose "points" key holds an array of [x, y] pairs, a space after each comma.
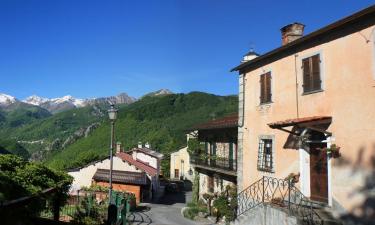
{"points": [[164, 211]]}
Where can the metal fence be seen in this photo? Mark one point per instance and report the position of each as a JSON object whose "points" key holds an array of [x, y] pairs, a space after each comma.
{"points": [[91, 204], [277, 192]]}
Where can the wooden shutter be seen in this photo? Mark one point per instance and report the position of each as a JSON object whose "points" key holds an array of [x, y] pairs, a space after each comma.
{"points": [[315, 61], [268, 87], [262, 89], [306, 75]]}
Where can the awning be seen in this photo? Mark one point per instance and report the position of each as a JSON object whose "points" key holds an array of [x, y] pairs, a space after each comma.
{"points": [[305, 122], [123, 177]]}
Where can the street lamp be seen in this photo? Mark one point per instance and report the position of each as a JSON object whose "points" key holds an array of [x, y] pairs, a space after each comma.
{"points": [[112, 114]]}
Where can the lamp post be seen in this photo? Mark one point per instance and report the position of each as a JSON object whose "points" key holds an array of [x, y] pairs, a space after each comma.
{"points": [[112, 113]]}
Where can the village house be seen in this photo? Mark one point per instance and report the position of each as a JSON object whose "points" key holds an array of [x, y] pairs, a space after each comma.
{"points": [[217, 165], [180, 167], [134, 173], [307, 108]]}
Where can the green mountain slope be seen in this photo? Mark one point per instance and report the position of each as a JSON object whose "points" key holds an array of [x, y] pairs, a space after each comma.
{"points": [[43, 135], [19, 114], [11, 146], [160, 120]]}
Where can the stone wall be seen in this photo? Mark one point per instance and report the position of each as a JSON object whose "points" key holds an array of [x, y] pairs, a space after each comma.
{"points": [[265, 215]]}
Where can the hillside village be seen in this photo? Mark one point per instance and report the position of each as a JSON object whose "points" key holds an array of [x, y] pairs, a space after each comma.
{"points": [[295, 146]]}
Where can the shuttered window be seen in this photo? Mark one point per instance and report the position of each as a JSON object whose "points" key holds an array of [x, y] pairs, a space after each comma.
{"points": [[265, 88], [311, 74]]}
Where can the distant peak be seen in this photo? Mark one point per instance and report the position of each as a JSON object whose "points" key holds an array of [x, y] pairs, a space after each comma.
{"points": [[159, 92], [7, 99]]}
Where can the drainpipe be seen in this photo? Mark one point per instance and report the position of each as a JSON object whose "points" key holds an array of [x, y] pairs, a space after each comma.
{"points": [[296, 74], [241, 111]]}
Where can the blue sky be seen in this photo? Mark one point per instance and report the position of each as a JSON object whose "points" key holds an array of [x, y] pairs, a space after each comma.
{"points": [[99, 48]]}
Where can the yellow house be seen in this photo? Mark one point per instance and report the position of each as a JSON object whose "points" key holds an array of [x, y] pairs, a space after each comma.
{"points": [[307, 102], [180, 163]]}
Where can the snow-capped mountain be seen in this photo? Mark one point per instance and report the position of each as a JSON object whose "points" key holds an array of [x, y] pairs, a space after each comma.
{"points": [[55, 105], [35, 100], [6, 100]]}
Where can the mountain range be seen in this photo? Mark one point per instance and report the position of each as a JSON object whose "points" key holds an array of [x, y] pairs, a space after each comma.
{"points": [[56, 105]]}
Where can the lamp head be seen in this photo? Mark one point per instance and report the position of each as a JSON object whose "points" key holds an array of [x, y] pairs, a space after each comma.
{"points": [[112, 113]]}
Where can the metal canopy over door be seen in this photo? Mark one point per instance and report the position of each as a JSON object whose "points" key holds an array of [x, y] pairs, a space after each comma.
{"points": [[318, 172]]}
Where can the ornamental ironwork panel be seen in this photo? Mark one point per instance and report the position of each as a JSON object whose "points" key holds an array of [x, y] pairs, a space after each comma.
{"points": [[281, 193]]}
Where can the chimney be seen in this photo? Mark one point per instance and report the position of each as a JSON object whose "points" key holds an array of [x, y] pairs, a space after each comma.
{"points": [[291, 32], [249, 56], [147, 145], [140, 144], [118, 147]]}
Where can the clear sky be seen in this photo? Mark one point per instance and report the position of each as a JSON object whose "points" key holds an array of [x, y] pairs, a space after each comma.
{"points": [[99, 48]]}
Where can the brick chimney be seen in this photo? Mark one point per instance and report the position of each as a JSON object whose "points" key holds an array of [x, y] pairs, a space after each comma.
{"points": [[291, 32], [118, 147]]}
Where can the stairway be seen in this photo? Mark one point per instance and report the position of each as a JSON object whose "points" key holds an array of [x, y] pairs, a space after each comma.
{"points": [[270, 201]]}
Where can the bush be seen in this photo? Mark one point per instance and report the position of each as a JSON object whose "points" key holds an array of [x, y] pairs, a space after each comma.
{"points": [[193, 209]]}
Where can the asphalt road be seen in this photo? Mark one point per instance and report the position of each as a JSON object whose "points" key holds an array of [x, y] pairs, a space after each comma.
{"points": [[164, 211]]}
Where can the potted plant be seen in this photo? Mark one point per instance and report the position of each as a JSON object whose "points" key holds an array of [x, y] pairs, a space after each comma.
{"points": [[333, 151], [293, 178]]}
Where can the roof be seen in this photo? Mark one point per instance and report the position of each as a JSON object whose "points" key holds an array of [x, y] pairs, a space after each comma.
{"points": [[88, 164], [149, 152], [124, 177], [297, 121], [354, 21], [224, 122], [146, 168]]}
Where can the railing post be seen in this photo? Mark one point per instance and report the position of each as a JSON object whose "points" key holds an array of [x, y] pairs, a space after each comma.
{"points": [[263, 189], [56, 208], [289, 188]]}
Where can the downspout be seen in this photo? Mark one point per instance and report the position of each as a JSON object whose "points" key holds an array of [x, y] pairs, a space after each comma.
{"points": [[241, 111], [296, 74]]}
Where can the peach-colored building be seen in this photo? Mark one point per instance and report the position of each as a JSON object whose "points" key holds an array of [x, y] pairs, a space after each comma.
{"points": [[300, 99]]}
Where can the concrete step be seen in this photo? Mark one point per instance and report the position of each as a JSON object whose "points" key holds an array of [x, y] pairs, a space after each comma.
{"points": [[327, 217]]}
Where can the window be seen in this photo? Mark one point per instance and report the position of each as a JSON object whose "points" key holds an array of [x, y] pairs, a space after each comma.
{"points": [[265, 88], [311, 74], [176, 173], [265, 161]]}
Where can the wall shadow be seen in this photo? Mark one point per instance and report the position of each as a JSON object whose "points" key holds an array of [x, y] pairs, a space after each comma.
{"points": [[365, 213]]}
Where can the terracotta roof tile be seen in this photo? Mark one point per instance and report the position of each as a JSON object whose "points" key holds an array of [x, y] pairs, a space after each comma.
{"points": [[292, 122], [128, 158], [125, 177]]}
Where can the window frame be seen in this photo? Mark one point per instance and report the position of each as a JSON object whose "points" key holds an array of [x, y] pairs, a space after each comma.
{"points": [[267, 101], [261, 162], [321, 73]]}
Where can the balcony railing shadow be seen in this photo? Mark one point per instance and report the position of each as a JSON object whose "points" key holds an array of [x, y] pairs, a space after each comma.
{"points": [[214, 162]]}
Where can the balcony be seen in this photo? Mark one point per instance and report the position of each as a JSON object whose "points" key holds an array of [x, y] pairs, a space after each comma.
{"points": [[217, 164]]}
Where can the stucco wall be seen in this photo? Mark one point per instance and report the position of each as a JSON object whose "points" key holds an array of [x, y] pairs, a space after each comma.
{"points": [[219, 184], [176, 163], [153, 162], [347, 70], [83, 177]]}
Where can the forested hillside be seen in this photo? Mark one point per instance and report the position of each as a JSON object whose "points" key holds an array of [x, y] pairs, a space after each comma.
{"points": [[160, 120]]}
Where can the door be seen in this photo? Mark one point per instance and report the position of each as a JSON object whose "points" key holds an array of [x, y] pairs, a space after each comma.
{"points": [[176, 174], [318, 172]]}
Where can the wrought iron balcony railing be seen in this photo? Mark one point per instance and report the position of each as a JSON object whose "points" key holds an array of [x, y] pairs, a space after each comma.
{"points": [[214, 162], [280, 192]]}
